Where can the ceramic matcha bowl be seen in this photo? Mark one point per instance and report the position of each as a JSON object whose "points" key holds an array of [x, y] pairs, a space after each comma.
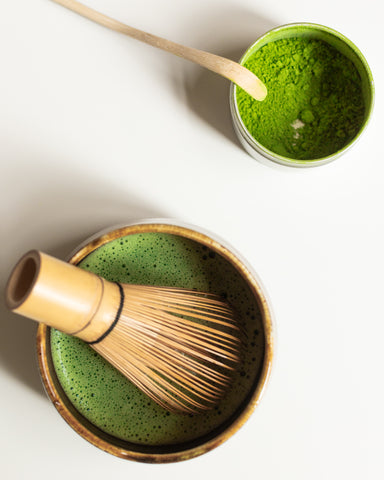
{"points": [[102, 405], [320, 96]]}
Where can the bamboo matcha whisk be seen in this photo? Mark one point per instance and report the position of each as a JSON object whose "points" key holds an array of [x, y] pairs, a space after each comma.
{"points": [[178, 346]]}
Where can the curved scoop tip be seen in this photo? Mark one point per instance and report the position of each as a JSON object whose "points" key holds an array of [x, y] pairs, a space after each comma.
{"points": [[258, 91], [250, 83]]}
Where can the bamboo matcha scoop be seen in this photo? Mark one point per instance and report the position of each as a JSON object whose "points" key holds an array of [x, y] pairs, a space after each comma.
{"points": [[233, 71]]}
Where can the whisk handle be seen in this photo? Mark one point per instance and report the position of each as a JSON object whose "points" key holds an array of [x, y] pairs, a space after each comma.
{"points": [[61, 295]]}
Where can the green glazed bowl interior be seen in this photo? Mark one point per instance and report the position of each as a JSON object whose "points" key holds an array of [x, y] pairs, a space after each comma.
{"points": [[170, 452], [340, 43]]}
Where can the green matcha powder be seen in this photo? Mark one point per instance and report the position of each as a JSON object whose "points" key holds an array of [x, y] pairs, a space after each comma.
{"points": [[314, 105]]}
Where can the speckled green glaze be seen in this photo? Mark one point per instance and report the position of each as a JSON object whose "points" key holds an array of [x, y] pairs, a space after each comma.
{"points": [[109, 400]]}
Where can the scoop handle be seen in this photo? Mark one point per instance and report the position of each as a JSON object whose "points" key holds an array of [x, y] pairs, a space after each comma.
{"points": [[229, 69], [61, 295]]}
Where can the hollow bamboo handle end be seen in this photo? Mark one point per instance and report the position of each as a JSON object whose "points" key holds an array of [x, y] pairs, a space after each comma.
{"points": [[60, 295]]}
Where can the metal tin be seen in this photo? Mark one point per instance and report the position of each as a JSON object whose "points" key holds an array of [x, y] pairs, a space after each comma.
{"points": [[313, 31], [166, 453]]}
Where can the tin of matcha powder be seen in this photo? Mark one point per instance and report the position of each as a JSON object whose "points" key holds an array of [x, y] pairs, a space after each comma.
{"points": [[315, 103]]}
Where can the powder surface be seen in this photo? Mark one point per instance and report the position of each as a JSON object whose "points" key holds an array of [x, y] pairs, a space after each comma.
{"points": [[107, 398], [309, 81]]}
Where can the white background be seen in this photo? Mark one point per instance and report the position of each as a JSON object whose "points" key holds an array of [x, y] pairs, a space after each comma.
{"points": [[98, 129]]}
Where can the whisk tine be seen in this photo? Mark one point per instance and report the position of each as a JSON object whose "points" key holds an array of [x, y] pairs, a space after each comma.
{"points": [[187, 329], [206, 314], [175, 302], [198, 348], [173, 358], [158, 390], [179, 386]]}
